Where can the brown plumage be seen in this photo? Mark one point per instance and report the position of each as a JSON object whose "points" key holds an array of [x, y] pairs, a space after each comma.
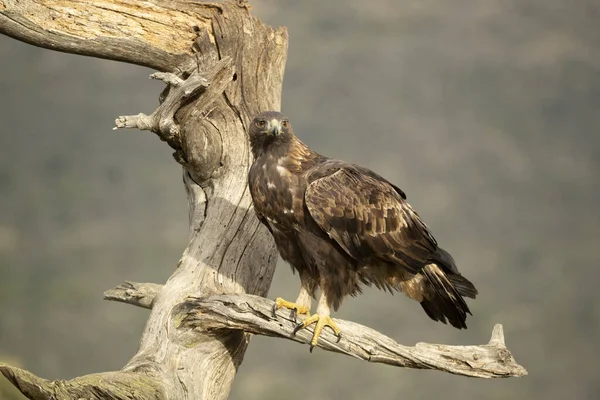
{"points": [[341, 226]]}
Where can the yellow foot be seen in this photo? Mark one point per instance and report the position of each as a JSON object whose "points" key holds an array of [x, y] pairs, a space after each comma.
{"points": [[296, 308], [322, 321]]}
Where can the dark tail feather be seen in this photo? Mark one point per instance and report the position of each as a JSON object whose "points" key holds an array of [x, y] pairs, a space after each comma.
{"points": [[446, 262], [445, 290], [463, 285]]}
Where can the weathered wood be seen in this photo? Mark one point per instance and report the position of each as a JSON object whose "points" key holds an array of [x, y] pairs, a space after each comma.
{"points": [[225, 236], [157, 34], [107, 385], [221, 66], [226, 67], [138, 294], [253, 314], [162, 120]]}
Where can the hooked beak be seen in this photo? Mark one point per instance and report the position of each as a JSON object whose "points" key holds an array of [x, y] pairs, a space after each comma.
{"points": [[275, 128]]}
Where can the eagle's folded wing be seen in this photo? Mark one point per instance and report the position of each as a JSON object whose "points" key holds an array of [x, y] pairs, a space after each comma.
{"points": [[369, 219]]}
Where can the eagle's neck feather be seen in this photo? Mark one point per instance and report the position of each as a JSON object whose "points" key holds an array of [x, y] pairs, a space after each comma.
{"points": [[300, 153], [292, 154]]}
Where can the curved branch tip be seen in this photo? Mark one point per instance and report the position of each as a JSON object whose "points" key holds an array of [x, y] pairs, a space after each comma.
{"points": [[497, 338], [29, 384]]}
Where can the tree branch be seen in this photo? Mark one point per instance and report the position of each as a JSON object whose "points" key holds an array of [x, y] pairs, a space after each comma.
{"points": [[253, 314], [193, 343], [138, 294], [108, 385], [158, 34], [180, 91], [225, 67]]}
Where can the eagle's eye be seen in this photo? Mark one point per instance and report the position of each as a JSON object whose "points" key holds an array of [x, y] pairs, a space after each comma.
{"points": [[285, 123], [261, 123]]}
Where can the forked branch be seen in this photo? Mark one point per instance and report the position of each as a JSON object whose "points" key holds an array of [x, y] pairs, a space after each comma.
{"points": [[162, 121], [253, 314]]}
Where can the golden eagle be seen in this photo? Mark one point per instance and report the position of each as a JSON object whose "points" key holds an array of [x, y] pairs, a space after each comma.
{"points": [[341, 225]]}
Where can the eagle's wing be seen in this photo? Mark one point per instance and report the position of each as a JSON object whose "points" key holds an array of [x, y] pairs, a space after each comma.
{"points": [[369, 218]]}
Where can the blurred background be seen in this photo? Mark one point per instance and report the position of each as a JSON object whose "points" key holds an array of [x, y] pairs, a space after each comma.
{"points": [[486, 113]]}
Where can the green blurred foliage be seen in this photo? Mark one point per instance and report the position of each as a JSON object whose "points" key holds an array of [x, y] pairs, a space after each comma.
{"points": [[485, 113]]}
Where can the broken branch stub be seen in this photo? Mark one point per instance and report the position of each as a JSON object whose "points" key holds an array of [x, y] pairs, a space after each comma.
{"points": [[139, 294]]}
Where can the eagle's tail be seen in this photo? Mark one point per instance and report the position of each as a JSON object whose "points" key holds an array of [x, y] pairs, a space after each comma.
{"points": [[445, 290]]}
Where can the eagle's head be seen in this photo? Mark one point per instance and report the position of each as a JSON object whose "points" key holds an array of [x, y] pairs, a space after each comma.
{"points": [[268, 129]]}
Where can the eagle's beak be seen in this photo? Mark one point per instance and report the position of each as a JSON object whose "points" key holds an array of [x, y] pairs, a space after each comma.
{"points": [[275, 128]]}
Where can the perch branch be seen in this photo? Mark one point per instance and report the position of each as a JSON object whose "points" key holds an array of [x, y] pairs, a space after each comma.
{"points": [[253, 314], [138, 294]]}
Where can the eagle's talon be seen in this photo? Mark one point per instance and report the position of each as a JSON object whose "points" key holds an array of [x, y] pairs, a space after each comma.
{"points": [[295, 314], [297, 328], [296, 308], [321, 322], [274, 309]]}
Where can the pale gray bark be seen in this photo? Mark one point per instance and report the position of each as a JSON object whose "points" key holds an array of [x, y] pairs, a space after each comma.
{"points": [[254, 314], [138, 294], [212, 52], [222, 66]]}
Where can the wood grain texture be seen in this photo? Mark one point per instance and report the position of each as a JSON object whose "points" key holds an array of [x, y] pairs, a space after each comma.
{"points": [[223, 67], [156, 34], [253, 314], [137, 294]]}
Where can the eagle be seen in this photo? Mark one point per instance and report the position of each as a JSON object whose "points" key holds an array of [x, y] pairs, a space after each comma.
{"points": [[341, 227]]}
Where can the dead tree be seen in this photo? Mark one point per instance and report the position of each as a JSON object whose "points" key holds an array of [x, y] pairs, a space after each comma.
{"points": [[221, 66]]}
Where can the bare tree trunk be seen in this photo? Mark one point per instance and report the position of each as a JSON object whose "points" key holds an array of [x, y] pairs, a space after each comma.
{"points": [[228, 67], [222, 66]]}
